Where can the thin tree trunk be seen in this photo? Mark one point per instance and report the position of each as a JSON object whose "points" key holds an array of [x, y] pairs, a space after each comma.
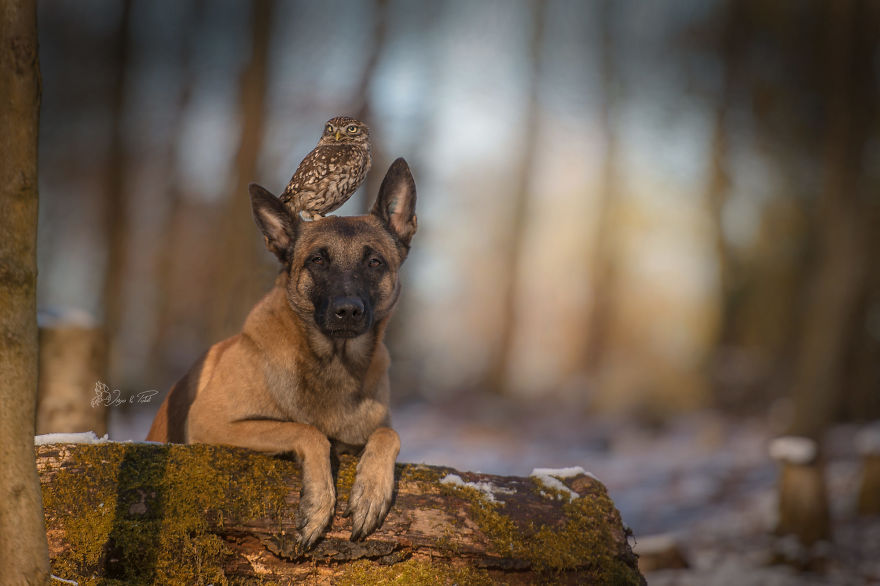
{"points": [[717, 191], [839, 276], [24, 557], [499, 366], [115, 221], [364, 108], [168, 246], [838, 280], [238, 284], [601, 311]]}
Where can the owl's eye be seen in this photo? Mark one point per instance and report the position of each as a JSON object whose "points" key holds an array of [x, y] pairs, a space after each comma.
{"points": [[329, 128], [352, 129]]}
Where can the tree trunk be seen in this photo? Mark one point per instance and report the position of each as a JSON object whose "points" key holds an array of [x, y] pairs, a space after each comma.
{"points": [[603, 261], [72, 362], [210, 514], [238, 282], [115, 221], [168, 249], [831, 312], [499, 366], [363, 109], [23, 555]]}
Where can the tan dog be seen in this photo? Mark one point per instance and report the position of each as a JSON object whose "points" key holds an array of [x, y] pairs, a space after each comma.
{"points": [[309, 370]]}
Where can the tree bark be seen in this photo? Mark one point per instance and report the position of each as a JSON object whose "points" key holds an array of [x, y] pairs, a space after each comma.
{"points": [[23, 553], [210, 514]]}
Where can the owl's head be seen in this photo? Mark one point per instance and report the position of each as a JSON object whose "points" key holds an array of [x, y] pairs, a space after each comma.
{"points": [[345, 130]]}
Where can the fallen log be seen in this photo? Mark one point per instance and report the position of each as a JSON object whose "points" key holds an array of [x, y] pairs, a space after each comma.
{"points": [[175, 514]]}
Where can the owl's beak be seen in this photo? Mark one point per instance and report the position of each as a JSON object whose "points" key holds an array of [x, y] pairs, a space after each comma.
{"points": [[338, 135]]}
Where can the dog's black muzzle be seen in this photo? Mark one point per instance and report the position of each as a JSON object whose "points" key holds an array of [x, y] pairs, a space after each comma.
{"points": [[346, 317]]}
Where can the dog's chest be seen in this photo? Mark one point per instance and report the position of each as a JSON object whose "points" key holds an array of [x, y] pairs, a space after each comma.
{"points": [[336, 405]]}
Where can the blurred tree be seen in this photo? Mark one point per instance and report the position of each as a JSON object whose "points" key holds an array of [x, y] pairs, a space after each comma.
{"points": [[513, 246], [603, 263], [115, 220], [168, 248], [862, 371], [237, 283], [363, 104], [839, 277], [24, 554]]}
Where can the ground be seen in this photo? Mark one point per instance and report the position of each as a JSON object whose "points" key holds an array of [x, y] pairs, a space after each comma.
{"points": [[703, 478]]}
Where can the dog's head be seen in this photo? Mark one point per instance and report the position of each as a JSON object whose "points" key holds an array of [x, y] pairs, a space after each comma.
{"points": [[343, 271]]}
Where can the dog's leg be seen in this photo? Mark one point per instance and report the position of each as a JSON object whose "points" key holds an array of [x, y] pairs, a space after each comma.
{"points": [[312, 449], [370, 496]]}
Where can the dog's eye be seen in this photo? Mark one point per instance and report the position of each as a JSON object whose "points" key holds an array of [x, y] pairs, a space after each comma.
{"points": [[374, 262], [317, 260]]}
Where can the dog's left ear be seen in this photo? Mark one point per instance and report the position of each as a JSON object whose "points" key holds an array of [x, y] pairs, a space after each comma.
{"points": [[274, 220], [396, 204]]}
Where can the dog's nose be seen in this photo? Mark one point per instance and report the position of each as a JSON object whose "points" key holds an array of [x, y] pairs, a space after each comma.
{"points": [[348, 308]]}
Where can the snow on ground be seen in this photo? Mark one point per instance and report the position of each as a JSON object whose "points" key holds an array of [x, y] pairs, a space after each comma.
{"points": [[86, 437]]}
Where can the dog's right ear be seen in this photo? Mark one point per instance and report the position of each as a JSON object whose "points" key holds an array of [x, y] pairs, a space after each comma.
{"points": [[276, 223]]}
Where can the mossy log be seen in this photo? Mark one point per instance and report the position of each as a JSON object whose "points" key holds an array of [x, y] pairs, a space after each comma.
{"points": [[172, 514]]}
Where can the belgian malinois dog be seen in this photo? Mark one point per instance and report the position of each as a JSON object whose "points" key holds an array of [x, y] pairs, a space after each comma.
{"points": [[309, 371]]}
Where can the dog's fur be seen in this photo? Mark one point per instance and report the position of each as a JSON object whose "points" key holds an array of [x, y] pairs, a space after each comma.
{"points": [[308, 372]]}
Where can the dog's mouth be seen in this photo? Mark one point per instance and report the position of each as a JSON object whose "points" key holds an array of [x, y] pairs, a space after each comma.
{"points": [[344, 332]]}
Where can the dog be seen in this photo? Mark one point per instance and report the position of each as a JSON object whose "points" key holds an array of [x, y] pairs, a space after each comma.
{"points": [[309, 370]]}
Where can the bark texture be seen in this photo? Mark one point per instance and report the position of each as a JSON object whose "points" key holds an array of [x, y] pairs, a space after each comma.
{"points": [[174, 514], [22, 539]]}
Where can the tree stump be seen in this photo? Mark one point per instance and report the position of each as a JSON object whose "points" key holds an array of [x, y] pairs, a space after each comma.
{"points": [[868, 443], [200, 514], [803, 497], [72, 362]]}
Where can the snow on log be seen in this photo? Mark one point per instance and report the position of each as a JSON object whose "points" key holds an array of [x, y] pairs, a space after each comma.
{"points": [[175, 514]]}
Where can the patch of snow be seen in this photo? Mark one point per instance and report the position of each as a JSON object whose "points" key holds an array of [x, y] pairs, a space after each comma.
{"points": [[569, 472], [793, 449], [87, 437], [487, 488], [868, 439], [550, 477]]}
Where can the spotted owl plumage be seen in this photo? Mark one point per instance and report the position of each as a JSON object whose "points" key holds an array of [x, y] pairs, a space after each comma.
{"points": [[333, 171]]}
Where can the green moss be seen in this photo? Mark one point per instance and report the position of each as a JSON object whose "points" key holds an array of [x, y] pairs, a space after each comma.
{"points": [[412, 572], [420, 473], [581, 541], [345, 476], [141, 514]]}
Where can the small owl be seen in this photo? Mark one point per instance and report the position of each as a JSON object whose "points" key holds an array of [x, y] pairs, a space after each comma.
{"points": [[329, 174]]}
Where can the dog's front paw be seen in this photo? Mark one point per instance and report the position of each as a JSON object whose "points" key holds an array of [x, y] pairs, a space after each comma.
{"points": [[370, 496], [316, 506]]}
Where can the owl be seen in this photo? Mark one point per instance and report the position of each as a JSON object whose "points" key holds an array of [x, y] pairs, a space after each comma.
{"points": [[334, 169]]}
